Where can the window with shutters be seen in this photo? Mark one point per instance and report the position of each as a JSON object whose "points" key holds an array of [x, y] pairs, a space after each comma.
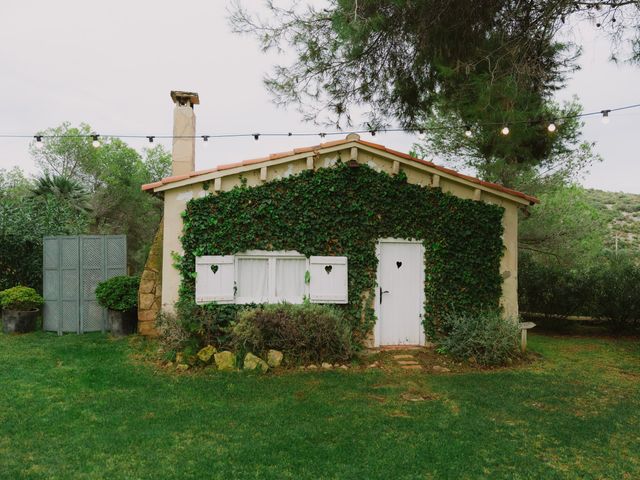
{"points": [[270, 277]]}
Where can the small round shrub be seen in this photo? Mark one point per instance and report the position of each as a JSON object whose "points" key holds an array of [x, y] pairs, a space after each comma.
{"points": [[304, 333], [488, 338], [119, 293], [20, 298]]}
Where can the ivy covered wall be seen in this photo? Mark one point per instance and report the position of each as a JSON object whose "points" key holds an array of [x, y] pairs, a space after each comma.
{"points": [[344, 211]]}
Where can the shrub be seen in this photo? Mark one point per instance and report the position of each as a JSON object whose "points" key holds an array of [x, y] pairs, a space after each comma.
{"points": [[617, 293], [173, 336], [119, 293], [609, 289], [208, 324], [20, 298], [304, 333], [488, 338]]}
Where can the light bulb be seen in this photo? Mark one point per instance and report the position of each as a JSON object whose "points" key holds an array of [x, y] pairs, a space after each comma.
{"points": [[468, 133], [605, 116], [39, 143], [551, 127], [256, 136], [151, 137], [205, 140], [505, 130], [421, 134], [95, 142]]}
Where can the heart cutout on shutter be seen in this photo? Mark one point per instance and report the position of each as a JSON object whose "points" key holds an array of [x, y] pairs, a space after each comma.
{"points": [[398, 264], [328, 269], [214, 268]]}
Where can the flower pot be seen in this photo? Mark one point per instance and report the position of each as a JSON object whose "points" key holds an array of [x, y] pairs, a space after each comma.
{"points": [[19, 321], [122, 323]]}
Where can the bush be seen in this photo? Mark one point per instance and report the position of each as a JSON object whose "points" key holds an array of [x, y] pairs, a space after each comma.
{"points": [[488, 338], [609, 289], [20, 298], [305, 333], [208, 324], [552, 289], [617, 293], [173, 337], [119, 293]]}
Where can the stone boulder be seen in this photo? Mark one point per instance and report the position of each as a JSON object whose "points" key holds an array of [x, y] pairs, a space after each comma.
{"points": [[253, 362], [274, 358], [205, 354], [225, 361]]}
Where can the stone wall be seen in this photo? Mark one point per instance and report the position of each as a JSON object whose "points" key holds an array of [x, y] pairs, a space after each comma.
{"points": [[150, 293]]}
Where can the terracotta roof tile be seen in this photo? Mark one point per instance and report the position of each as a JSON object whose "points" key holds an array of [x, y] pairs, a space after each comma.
{"points": [[296, 151]]}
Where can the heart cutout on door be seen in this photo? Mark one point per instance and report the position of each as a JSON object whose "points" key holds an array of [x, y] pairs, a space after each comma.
{"points": [[214, 268], [398, 264], [328, 269]]}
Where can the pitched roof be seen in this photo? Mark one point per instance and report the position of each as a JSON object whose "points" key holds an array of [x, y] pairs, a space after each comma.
{"points": [[322, 146]]}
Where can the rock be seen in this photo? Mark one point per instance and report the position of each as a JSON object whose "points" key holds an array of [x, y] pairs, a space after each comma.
{"points": [[206, 353], [182, 367], [179, 357], [311, 367], [146, 301], [439, 369], [253, 362], [344, 367], [472, 360], [327, 366], [147, 286], [374, 365], [301, 367], [274, 358], [225, 361]]}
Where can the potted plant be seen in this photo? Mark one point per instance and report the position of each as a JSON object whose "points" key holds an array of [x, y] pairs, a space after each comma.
{"points": [[20, 308], [119, 295]]}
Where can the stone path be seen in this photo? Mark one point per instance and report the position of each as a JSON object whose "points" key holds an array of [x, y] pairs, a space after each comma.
{"points": [[407, 361]]}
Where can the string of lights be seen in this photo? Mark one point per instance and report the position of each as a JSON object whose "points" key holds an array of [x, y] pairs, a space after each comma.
{"points": [[504, 129]]}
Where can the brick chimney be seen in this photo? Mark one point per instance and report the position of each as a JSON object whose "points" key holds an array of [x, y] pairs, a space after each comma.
{"points": [[184, 124]]}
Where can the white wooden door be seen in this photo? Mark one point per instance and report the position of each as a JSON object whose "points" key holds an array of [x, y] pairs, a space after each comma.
{"points": [[400, 293]]}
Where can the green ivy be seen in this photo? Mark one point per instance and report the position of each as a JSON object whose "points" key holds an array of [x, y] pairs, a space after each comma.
{"points": [[344, 211]]}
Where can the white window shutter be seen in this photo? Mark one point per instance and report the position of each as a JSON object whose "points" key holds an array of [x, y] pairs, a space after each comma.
{"points": [[329, 280], [215, 275]]}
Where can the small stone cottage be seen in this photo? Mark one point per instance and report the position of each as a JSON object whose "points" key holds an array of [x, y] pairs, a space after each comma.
{"points": [[394, 240]]}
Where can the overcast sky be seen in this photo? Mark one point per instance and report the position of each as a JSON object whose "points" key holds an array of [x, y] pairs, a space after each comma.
{"points": [[114, 67]]}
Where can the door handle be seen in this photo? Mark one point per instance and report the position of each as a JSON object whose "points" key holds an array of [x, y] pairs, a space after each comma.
{"points": [[381, 292]]}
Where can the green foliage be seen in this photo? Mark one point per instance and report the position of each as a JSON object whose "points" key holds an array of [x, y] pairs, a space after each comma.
{"points": [[119, 293], [344, 211], [402, 58], [565, 228], [618, 292], [20, 298], [305, 333], [62, 189], [486, 338], [111, 176], [207, 324], [530, 158], [24, 220], [608, 289]]}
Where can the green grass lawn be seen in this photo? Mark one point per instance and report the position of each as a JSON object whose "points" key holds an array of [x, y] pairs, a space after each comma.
{"points": [[84, 407]]}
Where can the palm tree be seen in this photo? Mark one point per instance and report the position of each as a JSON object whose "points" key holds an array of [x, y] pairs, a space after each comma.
{"points": [[62, 189]]}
